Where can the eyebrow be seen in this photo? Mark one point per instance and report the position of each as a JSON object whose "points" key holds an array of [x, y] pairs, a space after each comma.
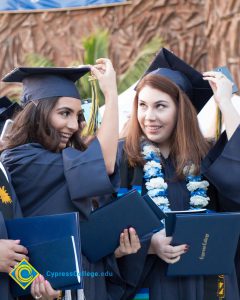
{"points": [[157, 102], [69, 109]]}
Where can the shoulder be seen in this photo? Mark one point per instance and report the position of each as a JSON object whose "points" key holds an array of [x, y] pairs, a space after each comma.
{"points": [[26, 153]]}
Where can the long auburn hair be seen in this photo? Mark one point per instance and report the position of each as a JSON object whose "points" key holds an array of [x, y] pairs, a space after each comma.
{"points": [[187, 141], [32, 125]]}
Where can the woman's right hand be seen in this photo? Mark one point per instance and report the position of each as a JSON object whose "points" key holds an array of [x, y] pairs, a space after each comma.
{"points": [[160, 245], [129, 243], [104, 72], [11, 253]]}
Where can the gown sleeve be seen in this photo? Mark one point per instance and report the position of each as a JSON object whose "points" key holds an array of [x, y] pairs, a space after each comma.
{"points": [[222, 168], [86, 173]]}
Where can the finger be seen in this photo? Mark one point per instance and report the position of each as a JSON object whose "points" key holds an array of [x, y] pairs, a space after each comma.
{"points": [[103, 60], [42, 289], [33, 292], [101, 66], [126, 239], [20, 249], [13, 264], [175, 249], [211, 79], [134, 240], [213, 74], [122, 239], [19, 257], [37, 288], [173, 260]]}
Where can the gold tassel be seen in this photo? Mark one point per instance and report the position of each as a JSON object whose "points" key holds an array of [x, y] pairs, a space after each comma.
{"points": [[221, 278], [92, 124], [218, 124]]}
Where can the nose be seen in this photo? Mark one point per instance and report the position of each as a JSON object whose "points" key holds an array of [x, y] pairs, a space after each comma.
{"points": [[73, 124], [150, 114]]}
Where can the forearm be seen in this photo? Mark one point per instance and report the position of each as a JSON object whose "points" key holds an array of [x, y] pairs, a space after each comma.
{"points": [[231, 117], [108, 132]]}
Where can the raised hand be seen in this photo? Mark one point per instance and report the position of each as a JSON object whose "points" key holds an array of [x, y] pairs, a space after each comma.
{"points": [[106, 75], [221, 86]]}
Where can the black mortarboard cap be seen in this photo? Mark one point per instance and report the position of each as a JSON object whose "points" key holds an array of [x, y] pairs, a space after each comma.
{"points": [[44, 82], [7, 110], [187, 78]]}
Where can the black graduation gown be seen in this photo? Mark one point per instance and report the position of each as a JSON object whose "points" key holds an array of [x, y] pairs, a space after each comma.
{"points": [[51, 183], [7, 211], [142, 270]]}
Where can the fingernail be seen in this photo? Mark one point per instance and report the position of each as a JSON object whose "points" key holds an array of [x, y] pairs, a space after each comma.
{"points": [[186, 248]]}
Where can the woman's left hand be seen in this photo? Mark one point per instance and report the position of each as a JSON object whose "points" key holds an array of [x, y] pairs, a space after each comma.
{"points": [[41, 289], [129, 243], [221, 86]]}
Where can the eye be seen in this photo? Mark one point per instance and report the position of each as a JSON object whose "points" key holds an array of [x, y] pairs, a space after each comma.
{"points": [[141, 104], [65, 113], [160, 105]]}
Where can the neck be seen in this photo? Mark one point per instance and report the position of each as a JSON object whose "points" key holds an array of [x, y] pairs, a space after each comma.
{"points": [[165, 150]]}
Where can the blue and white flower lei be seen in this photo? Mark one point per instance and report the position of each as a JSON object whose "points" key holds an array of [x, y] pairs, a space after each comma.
{"points": [[157, 187]]}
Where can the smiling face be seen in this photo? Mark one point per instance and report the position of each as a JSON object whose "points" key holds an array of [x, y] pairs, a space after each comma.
{"points": [[157, 115], [65, 118]]}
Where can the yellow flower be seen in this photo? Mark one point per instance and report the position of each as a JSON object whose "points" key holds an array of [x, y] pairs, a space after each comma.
{"points": [[4, 196]]}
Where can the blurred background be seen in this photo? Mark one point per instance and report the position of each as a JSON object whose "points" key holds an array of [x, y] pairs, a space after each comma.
{"points": [[204, 33]]}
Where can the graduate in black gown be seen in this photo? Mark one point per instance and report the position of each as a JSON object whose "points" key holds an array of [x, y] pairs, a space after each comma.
{"points": [[11, 252], [52, 169], [166, 156]]}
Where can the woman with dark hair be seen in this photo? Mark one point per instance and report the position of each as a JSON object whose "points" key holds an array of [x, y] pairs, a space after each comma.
{"points": [[166, 157], [52, 169]]}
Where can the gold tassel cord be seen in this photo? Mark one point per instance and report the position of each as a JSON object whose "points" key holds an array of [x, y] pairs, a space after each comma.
{"points": [[218, 124], [221, 278], [92, 125]]}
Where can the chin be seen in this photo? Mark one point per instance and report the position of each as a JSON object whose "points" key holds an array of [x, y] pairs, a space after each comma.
{"points": [[62, 146]]}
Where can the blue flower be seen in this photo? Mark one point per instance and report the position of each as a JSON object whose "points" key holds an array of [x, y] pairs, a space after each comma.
{"points": [[157, 192]]}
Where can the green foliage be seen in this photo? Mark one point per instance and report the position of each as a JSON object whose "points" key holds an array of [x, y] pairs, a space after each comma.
{"points": [[37, 60], [139, 65], [95, 45]]}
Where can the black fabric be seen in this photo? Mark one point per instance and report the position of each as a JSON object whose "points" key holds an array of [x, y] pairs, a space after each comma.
{"points": [[7, 211], [5, 207], [161, 287]]}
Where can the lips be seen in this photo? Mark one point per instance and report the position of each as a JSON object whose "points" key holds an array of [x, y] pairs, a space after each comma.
{"points": [[153, 129], [65, 136]]}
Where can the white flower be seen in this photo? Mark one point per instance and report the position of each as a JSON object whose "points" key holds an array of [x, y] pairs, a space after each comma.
{"points": [[194, 185], [189, 170], [199, 201], [157, 186], [156, 183], [147, 149], [161, 201], [152, 164]]}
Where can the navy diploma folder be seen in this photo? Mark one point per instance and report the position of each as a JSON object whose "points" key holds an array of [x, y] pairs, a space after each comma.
{"points": [[100, 234], [53, 244], [213, 239]]}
